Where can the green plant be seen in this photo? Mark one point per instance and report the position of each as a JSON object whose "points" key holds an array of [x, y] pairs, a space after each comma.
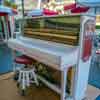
{"points": [[10, 4], [7, 3]]}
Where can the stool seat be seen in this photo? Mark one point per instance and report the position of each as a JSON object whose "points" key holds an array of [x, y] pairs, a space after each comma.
{"points": [[23, 60]]}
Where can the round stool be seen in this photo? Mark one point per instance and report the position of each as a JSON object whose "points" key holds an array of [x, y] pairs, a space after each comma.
{"points": [[26, 74], [26, 77], [19, 63]]}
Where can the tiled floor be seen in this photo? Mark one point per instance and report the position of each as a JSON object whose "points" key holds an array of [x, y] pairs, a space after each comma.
{"points": [[9, 91]]}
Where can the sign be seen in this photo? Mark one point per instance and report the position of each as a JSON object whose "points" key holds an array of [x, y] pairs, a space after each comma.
{"points": [[89, 30], [92, 3]]}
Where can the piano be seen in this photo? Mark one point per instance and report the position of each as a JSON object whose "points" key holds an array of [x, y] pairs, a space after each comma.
{"points": [[57, 41], [46, 39]]}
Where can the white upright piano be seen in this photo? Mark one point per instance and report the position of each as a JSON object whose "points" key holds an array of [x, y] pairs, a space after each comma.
{"points": [[60, 42]]}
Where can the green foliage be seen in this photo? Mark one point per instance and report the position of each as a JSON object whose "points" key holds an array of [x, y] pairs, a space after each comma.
{"points": [[10, 4], [98, 27], [7, 3]]}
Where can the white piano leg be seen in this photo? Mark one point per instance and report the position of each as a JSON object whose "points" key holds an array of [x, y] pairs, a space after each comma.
{"points": [[63, 83]]}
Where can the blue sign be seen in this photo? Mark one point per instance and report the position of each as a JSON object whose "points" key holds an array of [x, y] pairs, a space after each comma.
{"points": [[98, 98], [92, 3]]}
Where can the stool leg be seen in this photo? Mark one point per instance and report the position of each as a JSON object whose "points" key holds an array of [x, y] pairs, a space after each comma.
{"points": [[23, 81], [31, 75], [27, 79], [35, 78], [20, 76]]}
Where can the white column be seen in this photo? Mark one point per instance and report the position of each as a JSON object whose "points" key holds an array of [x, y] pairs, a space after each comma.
{"points": [[39, 4]]}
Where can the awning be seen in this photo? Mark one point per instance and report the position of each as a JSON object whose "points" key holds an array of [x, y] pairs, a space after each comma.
{"points": [[40, 12], [80, 10], [6, 10], [49, 12], [35, 12], [70, 6], [74, 8]]}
